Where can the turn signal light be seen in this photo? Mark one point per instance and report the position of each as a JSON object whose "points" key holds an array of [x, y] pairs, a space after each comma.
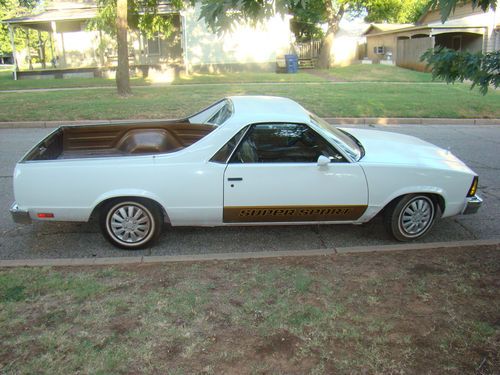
{"points": [[45, 215], [473, 187]]}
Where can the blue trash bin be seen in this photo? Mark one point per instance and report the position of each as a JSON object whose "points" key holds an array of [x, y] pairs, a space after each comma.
{"points": [[292, 63]]}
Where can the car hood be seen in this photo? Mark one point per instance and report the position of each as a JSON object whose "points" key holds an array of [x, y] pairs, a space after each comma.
{"points": [[393, 148]]}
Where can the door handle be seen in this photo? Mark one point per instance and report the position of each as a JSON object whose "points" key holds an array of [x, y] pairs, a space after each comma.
{"points": [[235, 179]]}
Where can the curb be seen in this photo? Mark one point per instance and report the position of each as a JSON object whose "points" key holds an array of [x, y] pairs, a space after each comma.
{"points": [[409, 121], [242, 256], [331, 120]]}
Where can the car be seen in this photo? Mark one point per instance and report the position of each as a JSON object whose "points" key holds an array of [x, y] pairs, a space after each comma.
{"points": [[245, 160]]}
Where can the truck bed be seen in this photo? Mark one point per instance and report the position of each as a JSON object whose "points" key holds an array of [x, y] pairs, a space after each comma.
{"points": [[91, 141]]}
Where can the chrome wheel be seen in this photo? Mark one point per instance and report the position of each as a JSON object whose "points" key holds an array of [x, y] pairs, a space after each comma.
{"points": [[416, 216], [130, 223]]}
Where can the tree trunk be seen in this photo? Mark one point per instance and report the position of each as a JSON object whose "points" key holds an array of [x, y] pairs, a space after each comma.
{"points": [[122, 70], [324, 59]]}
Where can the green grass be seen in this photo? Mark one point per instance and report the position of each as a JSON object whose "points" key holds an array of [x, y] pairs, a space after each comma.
{"points": [[354, 73], [377, 73], [7, 83], [327, 100], [246, 77], [303, 315]]}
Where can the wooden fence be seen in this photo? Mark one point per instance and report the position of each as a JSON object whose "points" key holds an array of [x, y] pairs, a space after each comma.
{"points": [[308, 50]]}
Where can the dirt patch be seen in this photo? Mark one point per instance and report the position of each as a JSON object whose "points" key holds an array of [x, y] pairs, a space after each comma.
{"points": [[281, 343], [431, 311], [123, 325], [425, 269]]}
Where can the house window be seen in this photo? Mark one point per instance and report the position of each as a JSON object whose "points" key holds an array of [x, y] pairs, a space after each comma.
{"points": [[379, 50], [154, 45]]}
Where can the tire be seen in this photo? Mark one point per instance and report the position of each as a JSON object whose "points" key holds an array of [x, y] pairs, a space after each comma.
{"points": [[131, 223], [411, 217]]}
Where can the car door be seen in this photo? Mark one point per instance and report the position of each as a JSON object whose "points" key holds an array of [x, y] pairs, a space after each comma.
{"points": [[274, 176]]}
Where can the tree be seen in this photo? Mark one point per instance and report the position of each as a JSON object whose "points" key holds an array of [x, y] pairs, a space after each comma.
{"points": [[122, 70], [482, 70], [117, 17], [23, 38], [223, 15]]}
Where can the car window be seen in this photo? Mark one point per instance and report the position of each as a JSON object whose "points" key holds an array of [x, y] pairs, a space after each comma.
{"points": [[284, 143], [225, 152], [221, 116], [216, 114]]}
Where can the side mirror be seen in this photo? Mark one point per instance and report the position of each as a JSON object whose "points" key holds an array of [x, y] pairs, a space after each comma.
{"points": [[323, 161]]}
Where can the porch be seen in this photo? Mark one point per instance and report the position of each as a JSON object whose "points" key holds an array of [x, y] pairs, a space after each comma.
{"points": [[66, 47]]}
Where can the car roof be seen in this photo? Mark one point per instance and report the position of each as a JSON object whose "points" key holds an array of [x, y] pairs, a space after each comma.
{"points": [[268, 108]]}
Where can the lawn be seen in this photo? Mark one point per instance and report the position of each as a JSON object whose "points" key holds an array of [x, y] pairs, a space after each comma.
{"points": [[7, 83], [247, 77], [376, 73], [326, 99], [425, 312]]}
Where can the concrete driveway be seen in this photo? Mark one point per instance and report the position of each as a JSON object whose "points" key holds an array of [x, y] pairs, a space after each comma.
{"points": [[475, 144]]}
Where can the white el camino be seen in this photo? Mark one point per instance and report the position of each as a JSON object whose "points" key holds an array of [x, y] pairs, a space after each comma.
{"points": [[245, 160]]}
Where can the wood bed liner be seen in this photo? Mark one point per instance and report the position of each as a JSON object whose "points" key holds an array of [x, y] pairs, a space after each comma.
{"points": [[72, 142]]}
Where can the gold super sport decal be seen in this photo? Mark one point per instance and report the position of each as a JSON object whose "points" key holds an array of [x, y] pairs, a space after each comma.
{"points": [[292, 213]]}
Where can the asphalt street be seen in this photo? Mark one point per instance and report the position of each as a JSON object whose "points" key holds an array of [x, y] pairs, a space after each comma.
{"points": [[478, 146]]}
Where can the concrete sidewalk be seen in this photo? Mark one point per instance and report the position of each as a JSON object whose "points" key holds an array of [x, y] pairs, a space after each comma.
{"points": [[331, 120], [245, 255]]}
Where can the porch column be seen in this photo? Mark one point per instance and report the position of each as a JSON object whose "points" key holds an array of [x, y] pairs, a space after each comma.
{"points": [[63, 51], [13, 44], [30, 64], [59, 46], [185, 43]]}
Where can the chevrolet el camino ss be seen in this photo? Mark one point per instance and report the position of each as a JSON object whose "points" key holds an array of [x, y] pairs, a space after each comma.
{"points": [[242, 161]]}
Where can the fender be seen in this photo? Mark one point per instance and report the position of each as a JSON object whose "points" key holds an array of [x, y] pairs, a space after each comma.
{"points": [[119, 193], [376, 207]]}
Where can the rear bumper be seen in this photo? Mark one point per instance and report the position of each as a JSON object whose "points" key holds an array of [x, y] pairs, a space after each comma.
{"points": [[19, 216], [472, 205]]}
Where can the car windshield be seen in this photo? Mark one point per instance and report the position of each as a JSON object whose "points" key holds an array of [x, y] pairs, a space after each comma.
{"points": [[216, 114], [348, 143]]}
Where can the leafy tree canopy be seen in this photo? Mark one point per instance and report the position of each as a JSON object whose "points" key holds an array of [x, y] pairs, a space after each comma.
{"points": [[447, 7], [142, 15], [395, 11], [11, 9]]}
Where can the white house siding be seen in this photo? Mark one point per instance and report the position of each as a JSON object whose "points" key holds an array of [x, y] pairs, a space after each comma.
{"points": [[348, 39], [80, 48], [244, 45]]}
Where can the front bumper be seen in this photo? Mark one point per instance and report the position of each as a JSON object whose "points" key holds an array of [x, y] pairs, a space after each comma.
{"points": [[19, 216], [472, 205]]}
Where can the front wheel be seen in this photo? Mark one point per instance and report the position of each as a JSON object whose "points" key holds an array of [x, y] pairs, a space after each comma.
{"points": [[411, 217], [131, 223]]}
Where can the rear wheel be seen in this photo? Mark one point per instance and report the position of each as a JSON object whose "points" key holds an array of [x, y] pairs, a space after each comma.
{"points": [[131, 223], [411, 217]]}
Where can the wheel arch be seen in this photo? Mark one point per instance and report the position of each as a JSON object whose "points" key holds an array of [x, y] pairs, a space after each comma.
{"points": [[106, 198], [437, 197]]}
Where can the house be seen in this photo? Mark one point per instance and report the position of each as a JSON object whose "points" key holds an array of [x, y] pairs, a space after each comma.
{"points": [[466, 29], [75, 50], [348, 44]]}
